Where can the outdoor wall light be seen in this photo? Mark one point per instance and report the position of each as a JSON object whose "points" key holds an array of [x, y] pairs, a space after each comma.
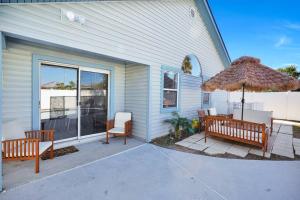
{"points": [[72, 17]]}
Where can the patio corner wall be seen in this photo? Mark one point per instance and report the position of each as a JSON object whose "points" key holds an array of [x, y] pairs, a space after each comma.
{"points": [[136, 98]]}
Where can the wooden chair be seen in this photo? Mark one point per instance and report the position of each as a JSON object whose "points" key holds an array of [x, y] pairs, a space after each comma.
{"points": [[120, 126], [201, 116], [212, 111], [18, 144]]}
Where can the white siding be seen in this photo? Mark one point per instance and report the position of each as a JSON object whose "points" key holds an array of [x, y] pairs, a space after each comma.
{"points": [[136, 97], [17, 81], [190, 96], [17, 85], [150, 32]]}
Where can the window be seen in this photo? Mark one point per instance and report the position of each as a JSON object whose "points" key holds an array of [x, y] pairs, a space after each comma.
{"points": [[170, 90], [191, 65], [206, 99]]}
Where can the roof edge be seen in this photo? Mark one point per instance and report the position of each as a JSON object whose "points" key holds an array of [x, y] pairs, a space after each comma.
{"points": [[209, 20]]}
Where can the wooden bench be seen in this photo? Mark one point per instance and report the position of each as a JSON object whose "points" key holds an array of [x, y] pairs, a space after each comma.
{"points": [[18, 144], [236, 130], [32, 147], [256, 116]]}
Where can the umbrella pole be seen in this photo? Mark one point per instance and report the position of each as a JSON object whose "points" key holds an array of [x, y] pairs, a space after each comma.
{"points": [[243, 101]]}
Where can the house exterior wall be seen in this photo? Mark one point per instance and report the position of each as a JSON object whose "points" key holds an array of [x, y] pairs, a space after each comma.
{"points": [[153, 33], [190, 95], [136, 95], [17, 79]]}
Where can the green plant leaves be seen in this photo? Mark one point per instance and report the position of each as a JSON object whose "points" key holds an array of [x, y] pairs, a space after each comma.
{"points": [[180, 124]]}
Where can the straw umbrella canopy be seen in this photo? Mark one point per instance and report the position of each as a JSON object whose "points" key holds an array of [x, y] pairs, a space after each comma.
{"points": [[247, 73]]}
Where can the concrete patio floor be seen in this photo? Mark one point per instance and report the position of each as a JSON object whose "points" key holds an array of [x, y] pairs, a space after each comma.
{"points": [[20, 172], [280, 143], [151, 172]]}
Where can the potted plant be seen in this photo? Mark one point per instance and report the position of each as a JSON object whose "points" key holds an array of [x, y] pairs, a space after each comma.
{"points": [[195, 125]]}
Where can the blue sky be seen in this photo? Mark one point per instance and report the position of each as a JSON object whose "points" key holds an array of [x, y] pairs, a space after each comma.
{"points": [[267, 29]]}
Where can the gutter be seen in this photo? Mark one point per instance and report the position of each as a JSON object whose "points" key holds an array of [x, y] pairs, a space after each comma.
{"points": [[212, 18]]}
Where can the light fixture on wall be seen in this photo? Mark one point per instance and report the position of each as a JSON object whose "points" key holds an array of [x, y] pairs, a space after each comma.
{"points": [[72, 17]]}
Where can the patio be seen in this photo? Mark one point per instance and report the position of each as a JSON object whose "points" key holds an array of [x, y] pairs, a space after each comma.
{"points": [[151, 172], [17, 173], [281, 143]]}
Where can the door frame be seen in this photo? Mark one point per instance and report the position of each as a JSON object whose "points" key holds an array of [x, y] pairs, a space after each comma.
{"points": [[102, 71], [38, 60]]}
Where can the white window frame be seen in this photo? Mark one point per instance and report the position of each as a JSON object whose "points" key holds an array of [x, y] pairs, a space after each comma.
{"points": [[170, 109]]}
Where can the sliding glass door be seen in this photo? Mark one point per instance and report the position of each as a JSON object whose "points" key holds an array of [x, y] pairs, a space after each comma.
{"points": [[73, 101], [93, 102], [58, 100]]}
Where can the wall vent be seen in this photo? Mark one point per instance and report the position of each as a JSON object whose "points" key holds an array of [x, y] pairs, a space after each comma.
{"points": [[192, 12]]}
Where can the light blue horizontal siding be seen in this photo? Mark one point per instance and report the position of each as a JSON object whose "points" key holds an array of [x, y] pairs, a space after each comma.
{"points": [[149, 32], [136, 95], [190, 95], [190, 102]]}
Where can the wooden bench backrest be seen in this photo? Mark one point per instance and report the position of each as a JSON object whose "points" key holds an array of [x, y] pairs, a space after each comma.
{"points": [[255, 116], [239, 130]]}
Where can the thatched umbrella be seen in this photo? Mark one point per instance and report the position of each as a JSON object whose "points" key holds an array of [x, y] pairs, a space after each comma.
{"points": [[247, 73]]}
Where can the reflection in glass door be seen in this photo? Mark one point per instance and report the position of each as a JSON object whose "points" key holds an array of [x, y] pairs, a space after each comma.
{"points": [[58, 100], [59, 97], [93, 102]]}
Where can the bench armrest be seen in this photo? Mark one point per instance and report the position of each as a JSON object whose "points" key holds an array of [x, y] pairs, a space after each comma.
{"points": [[43, 135], [110, 124], [128, 127], [230, 116], [272, 121]]}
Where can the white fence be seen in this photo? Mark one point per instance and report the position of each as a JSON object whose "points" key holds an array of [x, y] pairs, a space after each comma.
{"points": [[285, 105], [219, 100]]}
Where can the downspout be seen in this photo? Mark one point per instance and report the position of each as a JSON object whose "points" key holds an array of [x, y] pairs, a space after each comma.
{"points": [[149, 111], [202, 80], [2, 37]]}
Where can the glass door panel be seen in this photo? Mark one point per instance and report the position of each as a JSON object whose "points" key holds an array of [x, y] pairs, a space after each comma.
{"points": [[93, 102], [58, 98]]}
